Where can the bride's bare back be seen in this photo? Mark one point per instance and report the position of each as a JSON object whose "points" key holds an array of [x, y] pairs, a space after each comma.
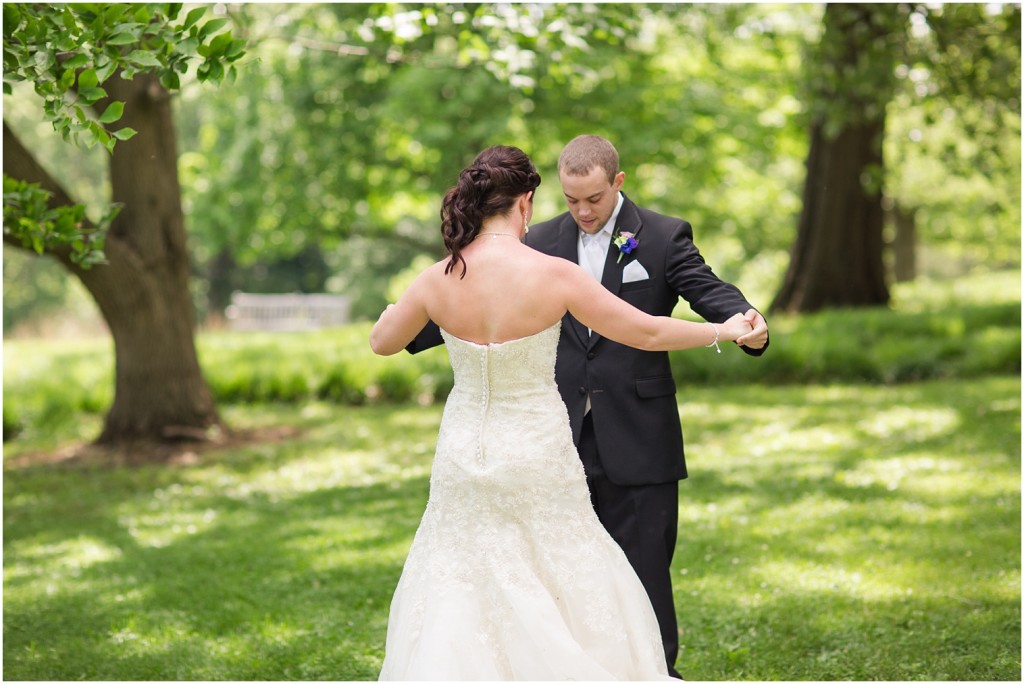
{"points": [[501, 297]]}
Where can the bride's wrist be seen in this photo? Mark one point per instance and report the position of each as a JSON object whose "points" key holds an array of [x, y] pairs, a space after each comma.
{"points": [[714, 342]]}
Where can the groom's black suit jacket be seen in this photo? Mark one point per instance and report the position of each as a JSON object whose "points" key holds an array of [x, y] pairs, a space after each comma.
{"points": [[632, 392]]}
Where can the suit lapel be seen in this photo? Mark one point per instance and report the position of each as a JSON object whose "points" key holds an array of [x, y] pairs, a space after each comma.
{"points": [[629, 222], [566, 245]]}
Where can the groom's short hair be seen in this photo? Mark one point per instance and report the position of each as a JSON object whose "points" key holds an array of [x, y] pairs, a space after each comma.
{"points": [[584, 152]]}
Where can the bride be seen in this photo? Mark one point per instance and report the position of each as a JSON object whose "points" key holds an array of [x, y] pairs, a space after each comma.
{"points": [[511, 575]]}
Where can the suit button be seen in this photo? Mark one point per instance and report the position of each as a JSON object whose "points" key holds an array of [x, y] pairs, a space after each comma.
{"points": [[583, 390], [591, 355]]}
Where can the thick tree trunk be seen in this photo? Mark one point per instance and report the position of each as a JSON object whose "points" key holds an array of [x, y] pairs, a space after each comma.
{"points": [[837, 258], [142, 292], [160, 390]]}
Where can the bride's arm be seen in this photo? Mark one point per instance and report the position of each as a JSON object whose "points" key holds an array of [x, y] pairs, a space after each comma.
{"points": [[400, 322], [597, 308]]}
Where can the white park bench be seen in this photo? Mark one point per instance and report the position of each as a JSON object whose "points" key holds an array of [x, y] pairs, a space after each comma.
{"points": [[280, 312]]}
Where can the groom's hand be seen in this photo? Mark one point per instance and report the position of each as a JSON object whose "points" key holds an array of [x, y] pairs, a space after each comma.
{"points": [[758, 337]]}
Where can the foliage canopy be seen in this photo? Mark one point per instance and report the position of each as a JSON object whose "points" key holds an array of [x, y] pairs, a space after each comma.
{"points": [[68, 52], [322, 165]]}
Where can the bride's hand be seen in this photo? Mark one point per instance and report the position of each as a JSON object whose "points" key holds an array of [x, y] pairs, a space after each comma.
{"points": [[734, 328]]}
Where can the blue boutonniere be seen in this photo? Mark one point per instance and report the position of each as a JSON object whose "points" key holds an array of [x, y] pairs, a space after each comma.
{"points": [[626, 242]]}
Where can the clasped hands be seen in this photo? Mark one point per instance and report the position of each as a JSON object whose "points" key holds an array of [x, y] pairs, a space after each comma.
{"points": [[747, 329]]}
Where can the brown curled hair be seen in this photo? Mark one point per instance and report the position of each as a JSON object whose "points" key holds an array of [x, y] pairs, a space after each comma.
{"points": [[487, 187]]}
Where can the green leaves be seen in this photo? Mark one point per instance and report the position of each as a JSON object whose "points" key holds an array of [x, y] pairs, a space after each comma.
{"points": [[68, 51], [193, 16], [123, 38], [12, 17], [144, 58], [105, 68], [851, 78], [223, 49], [88, 79], [211, 27], [29, 218], [77, 62], [124, 133], [112, 113]]}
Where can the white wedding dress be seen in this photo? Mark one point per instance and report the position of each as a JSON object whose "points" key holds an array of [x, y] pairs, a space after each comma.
{"points": [[511, 576]]}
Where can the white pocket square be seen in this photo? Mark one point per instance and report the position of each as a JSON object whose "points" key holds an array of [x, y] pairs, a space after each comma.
{"points": [[633, 272]]}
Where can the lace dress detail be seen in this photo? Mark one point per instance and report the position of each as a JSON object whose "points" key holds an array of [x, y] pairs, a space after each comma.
{"points": [[510, 574]]}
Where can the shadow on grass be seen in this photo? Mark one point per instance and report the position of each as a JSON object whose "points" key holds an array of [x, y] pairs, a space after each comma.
{"points": [[249, 597], [270, 562]]}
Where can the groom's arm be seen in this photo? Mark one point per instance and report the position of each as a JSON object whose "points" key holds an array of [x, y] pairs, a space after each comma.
{"points": [[428, 338], [693, 280]]}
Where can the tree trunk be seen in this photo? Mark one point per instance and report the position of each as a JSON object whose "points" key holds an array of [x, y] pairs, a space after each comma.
{"points": [[837, 258], [142, 292], [221, 277], [904, 243]]}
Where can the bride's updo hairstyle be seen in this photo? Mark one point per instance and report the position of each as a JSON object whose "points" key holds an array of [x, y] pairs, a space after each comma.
{"points": [[487, 187]]}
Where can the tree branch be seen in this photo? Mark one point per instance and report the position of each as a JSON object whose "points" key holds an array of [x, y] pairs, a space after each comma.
{"points": [[19, 163]]}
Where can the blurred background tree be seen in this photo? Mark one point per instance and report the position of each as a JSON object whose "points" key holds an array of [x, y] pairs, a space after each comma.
{"points": [[356, 119], [321, 167], [709, 106], [953, 181], [964, 59]]}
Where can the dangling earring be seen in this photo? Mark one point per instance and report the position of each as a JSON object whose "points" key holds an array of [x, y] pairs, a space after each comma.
{"points": [[526, 224]]}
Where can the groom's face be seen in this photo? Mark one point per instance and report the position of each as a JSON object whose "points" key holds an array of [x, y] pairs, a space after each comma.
{"points": [[592, 198]]}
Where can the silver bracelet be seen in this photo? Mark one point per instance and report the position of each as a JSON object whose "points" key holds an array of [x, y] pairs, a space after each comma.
{"points": [[714, 342]]}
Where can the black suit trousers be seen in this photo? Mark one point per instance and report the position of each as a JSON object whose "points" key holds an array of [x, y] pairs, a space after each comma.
{"points": [[643, 520]]}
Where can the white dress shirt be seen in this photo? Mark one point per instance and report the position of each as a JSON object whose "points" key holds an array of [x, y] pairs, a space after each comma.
{"points": [[592, 250]]}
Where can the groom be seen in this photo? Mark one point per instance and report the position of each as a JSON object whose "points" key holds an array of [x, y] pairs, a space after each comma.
{"points": [[622, 401]]}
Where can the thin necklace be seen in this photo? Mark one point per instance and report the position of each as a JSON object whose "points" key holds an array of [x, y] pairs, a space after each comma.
{"points": [[497, 234]]}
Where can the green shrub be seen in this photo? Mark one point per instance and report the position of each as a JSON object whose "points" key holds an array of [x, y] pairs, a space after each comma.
{"points": [[397, 384], [12, 423], [965, 328], [341, 386], [869, 345]]}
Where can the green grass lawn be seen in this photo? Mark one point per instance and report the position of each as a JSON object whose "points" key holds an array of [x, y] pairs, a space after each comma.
{"points": [[826, 532]]}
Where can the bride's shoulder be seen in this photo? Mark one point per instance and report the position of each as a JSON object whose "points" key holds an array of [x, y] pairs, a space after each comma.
{"points": [[556, 266], [434, 271], [427, 279], [552, 276]]}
